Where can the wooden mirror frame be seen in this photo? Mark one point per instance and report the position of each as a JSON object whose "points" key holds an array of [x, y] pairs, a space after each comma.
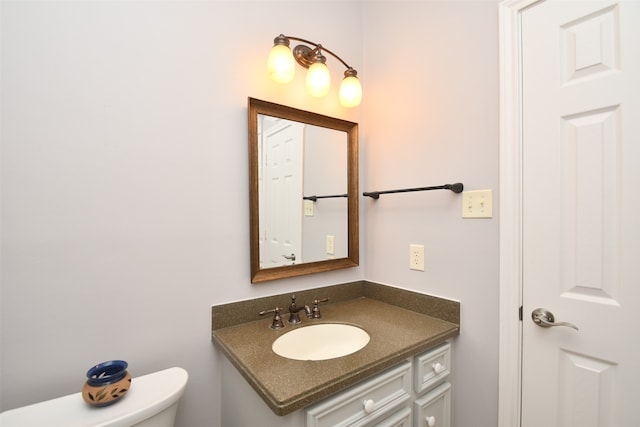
{"points": [[258, 274]]}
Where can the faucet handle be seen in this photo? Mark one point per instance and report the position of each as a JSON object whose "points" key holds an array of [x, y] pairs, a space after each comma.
{"points": [[315, 313], [277, 320]]}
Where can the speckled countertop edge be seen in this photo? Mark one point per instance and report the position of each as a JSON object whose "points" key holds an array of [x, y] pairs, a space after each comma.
{"points": [[287, 385]]}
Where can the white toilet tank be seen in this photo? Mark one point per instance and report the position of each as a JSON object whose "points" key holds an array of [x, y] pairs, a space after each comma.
{"points": [[151, 401]]}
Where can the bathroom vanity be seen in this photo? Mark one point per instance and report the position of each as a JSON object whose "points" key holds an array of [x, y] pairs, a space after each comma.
{"points": [[398, 379]]}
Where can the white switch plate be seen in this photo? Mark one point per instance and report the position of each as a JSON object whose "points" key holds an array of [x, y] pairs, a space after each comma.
{"points": [[416, 257], [308, 208], [477, 204], [330, 245]]}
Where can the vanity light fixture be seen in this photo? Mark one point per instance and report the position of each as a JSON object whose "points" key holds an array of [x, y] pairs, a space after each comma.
{"points": [[281, 67]]}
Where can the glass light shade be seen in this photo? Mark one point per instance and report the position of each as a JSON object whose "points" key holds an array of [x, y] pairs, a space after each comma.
{"points": [[281, 65], [350, 92], [318, 80]]}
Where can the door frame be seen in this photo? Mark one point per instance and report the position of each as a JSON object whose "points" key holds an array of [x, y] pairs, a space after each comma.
{"points": [[510, 325]]}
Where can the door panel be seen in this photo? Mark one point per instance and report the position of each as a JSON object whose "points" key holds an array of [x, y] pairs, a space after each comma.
{"points": [[580, 204], [282, 218]]}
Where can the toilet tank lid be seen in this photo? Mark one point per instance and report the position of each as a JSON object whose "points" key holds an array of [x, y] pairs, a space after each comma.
{"points": [[148, 395]]}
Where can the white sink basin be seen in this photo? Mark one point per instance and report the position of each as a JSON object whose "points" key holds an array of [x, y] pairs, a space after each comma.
{"points": [[321, 342]]}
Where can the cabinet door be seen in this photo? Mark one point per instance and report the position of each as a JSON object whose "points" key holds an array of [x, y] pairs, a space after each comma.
{"points": [[402, 418], [434, 408], [365, 403], [432, 367]]}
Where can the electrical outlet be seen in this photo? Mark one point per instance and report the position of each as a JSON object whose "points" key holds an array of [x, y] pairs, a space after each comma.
{"points": [[330, 245], [477, 204], [416, 257]]}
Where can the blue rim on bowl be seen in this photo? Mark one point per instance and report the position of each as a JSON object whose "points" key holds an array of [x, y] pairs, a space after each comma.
{"points": [[107, 372]]}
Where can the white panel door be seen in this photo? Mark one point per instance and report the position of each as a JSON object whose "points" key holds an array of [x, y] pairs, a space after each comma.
{"points": [[581, 213], [281, 221]]}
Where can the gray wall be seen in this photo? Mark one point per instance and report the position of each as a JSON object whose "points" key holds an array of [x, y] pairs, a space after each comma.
{"points": [[124, 177], [433, 119], [325, 173]]}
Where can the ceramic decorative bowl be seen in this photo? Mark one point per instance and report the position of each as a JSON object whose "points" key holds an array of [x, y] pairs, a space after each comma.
{"points": [[106, 383]]}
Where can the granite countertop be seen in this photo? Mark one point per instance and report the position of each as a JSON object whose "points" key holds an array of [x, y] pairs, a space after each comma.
{"points": [[287, 385]]}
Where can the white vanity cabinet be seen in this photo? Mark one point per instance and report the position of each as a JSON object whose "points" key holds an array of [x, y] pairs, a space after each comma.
{"points": [[401, 418], [432, 406], [413, 393], [363, 404], [432, 367]]}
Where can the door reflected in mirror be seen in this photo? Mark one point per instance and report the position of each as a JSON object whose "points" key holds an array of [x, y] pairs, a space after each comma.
{"points": [[302, 183], [303, 192]]}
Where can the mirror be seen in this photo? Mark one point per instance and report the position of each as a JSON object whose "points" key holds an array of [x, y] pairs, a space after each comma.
{"points": [[303, 186]]}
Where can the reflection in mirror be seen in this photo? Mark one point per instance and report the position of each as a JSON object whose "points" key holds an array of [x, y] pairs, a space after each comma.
{"points": [[303, 192], [301, 166]]}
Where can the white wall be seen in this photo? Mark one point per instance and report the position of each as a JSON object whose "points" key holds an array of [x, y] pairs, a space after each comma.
{"points": [[434, 65], [124, 177], [125, 210]]}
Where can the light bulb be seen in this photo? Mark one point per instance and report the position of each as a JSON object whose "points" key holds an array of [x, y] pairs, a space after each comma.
{"points": [[350, 92], [318, 80], [281, 65]]}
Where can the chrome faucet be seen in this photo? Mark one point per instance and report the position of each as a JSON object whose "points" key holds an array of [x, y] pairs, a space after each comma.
{"points": [[294, 309]]}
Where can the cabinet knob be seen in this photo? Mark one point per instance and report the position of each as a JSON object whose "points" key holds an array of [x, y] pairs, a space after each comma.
{"points": [[369, 406], [431, 421], [438, 368]]}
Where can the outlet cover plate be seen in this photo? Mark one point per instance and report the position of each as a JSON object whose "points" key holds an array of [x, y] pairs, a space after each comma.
{"points": [[416, 257], [330, 245], [308, 208]]}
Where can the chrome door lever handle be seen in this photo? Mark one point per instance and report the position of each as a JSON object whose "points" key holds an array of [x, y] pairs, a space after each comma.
{"points": [[545, 319], [291, 257]]}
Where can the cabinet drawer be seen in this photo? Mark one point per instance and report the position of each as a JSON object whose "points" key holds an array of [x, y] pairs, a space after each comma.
{"points": [[362, 404], [434, 408], [402, 418], [432, 367]]}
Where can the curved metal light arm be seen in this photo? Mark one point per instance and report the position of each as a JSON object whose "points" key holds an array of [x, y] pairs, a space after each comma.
{"points": [[319, 46]]}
